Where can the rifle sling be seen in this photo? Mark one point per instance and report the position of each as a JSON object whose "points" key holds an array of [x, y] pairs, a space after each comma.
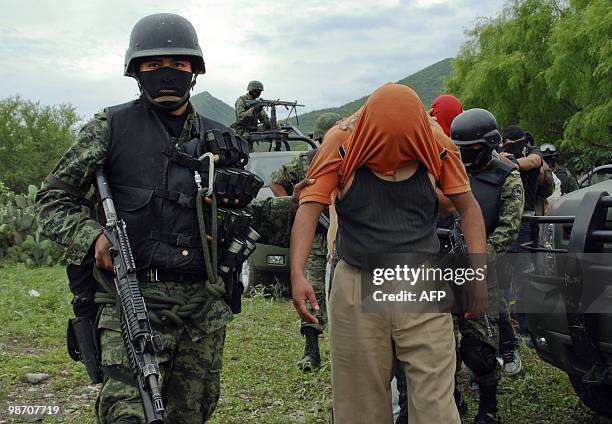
{"points": [[55, 182]]}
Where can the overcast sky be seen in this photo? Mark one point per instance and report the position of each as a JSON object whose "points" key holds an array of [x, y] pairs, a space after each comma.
{"points": [[322, 53]]}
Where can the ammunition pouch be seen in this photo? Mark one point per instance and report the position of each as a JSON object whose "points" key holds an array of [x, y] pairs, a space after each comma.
{"points": [[82, 344], [232, 223], [237, 252], [236, 187], [230, 265], [227, 148]]}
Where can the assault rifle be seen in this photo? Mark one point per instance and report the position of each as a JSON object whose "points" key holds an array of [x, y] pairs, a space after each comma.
{"points": [[259, 103], [453, 241], [139, 341], [458, 248], [456, 240]]}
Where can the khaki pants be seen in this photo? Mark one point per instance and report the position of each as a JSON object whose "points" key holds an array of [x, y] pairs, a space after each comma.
{"points": [[362, 347]]}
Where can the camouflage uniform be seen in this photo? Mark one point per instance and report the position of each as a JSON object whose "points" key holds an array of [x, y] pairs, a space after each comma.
{"points": [[246, 118], [498, 242], [511, 211], [288, 176], [192, 357]]}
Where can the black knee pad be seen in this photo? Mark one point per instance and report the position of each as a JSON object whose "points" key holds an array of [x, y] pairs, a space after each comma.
{"points": [[478, 356]]}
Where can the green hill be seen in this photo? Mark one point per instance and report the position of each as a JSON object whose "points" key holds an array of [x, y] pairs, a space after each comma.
{"points": [[213, 108], [428, 83]]}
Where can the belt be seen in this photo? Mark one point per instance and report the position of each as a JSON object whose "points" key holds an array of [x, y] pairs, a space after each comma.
{"points": [[155, 274]]}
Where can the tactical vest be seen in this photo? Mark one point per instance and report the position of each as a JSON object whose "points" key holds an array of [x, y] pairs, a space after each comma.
{"points": [[152, 193], [487, 188]]}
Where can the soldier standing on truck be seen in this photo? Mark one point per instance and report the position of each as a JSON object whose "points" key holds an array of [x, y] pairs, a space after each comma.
{"points": [[249, 117], [283, 181]]}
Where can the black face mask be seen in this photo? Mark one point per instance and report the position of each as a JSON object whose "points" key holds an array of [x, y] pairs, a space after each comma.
{"points": [[475, 159], [551, 161], [516, 149], [166, 88]]}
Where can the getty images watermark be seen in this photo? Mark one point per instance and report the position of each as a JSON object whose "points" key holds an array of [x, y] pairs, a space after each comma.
{"points": [[418, 283], [547, 282], [415, 278]]}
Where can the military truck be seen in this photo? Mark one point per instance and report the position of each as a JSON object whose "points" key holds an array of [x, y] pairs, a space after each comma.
{"points": [[268, 263], [596, 175], [568, 292]]}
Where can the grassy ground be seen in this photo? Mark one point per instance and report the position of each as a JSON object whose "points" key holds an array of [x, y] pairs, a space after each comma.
{"points": [[260, 381]]}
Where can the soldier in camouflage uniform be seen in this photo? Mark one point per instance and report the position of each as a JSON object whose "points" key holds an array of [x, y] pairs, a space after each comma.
{"points": [[498, 189], [248, 118], [191, 360], [283, 180]]}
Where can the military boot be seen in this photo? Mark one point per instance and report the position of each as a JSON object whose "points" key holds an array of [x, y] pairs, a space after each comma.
{"points": [[312, 358], [462, 405], [487, 406], [487, 418]]}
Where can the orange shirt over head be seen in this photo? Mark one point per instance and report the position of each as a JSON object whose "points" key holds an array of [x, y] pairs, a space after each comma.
{"points": [[392, 130]]}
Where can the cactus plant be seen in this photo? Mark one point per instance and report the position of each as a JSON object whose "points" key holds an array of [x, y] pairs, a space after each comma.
{"points": [[19, 235]]}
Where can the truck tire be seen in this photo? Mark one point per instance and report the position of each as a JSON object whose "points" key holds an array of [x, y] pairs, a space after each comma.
{"points": [[596, 397]]}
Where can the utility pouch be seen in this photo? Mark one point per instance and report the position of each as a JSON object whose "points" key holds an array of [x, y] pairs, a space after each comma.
{"points": [[82, 346], [232, 223], [236, 187], [233, 292], [227, 148], [236, 253]]}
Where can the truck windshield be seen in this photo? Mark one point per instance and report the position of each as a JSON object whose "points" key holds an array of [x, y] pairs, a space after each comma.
{"points": [[263, 166]]}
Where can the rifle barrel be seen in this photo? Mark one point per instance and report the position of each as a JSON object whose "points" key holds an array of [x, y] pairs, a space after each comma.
{"points": [[107, 199]]}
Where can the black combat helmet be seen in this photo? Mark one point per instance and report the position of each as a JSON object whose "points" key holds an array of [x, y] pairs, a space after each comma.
{"points": [[163, 34], [475, 126], [549, 150]]}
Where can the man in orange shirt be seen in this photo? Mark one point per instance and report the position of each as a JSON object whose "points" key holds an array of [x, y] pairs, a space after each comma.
{"points": [[383, 172]]}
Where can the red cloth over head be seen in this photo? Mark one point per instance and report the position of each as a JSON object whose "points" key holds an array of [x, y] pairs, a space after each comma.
{"points": [[444, 109]]}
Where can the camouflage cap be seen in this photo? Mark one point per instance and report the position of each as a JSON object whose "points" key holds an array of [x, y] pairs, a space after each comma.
{"points": [[323, 123], [255, 85]]}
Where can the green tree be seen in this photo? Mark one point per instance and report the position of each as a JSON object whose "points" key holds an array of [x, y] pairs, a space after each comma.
{"points": [[581, 77], [32, 138], [546, 65]]}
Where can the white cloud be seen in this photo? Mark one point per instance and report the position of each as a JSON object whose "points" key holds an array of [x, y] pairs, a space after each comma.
{"points": [[319, 52]]}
